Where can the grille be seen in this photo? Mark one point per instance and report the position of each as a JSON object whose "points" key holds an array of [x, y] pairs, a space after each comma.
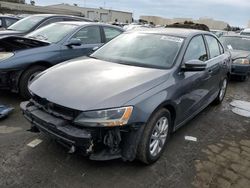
{"points": [[55, 109]]}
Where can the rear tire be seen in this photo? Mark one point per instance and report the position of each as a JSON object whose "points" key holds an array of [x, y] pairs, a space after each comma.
{"points": [[25, 79], [155, 137], [222, 92]]}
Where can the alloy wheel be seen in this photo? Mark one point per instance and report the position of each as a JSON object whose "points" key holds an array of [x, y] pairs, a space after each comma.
{"points": [[159, 136]]}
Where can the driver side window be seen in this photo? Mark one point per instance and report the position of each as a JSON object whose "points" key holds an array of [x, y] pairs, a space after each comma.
{"points": [[89, 35], [196, 50]]}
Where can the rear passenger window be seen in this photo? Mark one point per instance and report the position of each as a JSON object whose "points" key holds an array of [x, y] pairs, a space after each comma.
{"points": [[196, 50], [213, 46], [111, 33], [9, 21], [89, 35]]}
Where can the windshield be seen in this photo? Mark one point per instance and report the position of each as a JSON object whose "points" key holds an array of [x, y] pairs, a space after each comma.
{"points": [[26, 23], [147, 50], [53, 33], [236, 43]]}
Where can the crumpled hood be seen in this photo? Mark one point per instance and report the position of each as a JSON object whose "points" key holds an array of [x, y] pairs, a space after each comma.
{"points": [[16, 43], [88, 84], [239, 54]]}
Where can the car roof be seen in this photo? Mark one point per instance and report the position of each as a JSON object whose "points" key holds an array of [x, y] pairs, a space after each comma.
{"points": [[81, 23], [58, 15], [178, 32]]}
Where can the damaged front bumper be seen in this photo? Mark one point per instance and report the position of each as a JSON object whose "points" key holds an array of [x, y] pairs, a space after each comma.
{"points": [[97, 143]]}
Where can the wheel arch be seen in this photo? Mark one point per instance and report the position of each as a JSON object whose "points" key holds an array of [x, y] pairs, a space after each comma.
{"points": [[38, 63], [171, 107]]}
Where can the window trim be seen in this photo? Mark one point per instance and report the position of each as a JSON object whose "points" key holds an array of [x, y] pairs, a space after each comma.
{"points": [[222, 47]]}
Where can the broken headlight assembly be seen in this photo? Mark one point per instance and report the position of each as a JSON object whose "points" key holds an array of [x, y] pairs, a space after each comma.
{"points": [[5, 55], [105, 118], [241, 61]]}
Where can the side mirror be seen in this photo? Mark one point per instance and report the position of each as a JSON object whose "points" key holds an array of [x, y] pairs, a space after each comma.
{"points": [[194, 65], [74, 42]]}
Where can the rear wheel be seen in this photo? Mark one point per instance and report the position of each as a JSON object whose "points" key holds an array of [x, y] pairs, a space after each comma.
{"points": [[222, 92], [155, 136], [27, 78]]}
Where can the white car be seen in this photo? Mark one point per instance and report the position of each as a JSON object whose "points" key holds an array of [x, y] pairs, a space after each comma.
{"points": [[245, 32]]}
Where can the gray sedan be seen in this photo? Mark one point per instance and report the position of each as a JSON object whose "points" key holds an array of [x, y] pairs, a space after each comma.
{"points": [[126, 99]]}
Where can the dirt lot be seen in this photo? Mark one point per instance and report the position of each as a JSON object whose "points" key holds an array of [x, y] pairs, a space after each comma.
{"points": [[220, 157]]}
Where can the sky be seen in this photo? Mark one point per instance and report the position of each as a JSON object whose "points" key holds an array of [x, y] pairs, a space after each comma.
{"points": [[235, 12]]}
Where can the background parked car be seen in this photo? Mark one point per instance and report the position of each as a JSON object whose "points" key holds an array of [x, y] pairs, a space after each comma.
{"points": [[245, 32], [126, 99], [23, 58], [219, 33], [6, 21], [34, 22], [239, 47]]}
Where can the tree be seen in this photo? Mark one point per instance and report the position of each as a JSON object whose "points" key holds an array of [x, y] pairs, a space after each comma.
{"points": [[32, 2]]}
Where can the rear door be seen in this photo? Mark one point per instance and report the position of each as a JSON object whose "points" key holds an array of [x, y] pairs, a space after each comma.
{"points": [[216, 60], [90, 37]]}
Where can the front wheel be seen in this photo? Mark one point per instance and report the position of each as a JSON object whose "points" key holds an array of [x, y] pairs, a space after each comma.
{"points": [[155, 136], [222, 92], [27, 78]]}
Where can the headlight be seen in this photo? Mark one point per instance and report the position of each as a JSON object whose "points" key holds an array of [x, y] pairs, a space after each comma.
{"points": [[241, 61], [105, 118], [5, 55]]}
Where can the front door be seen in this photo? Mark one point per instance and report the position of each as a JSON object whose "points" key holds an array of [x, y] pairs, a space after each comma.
{"points": [[90, 37], [193, 85]]}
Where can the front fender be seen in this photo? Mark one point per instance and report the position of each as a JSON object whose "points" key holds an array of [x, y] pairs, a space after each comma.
{"points": [[149, 102]]}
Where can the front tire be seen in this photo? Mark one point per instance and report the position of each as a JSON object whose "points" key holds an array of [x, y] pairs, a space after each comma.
{"points": [[155, 137], [26, 78], [222, 92]]}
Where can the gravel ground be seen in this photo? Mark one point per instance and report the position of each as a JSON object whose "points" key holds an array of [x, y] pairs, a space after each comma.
{"points": [[220, 157]]}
